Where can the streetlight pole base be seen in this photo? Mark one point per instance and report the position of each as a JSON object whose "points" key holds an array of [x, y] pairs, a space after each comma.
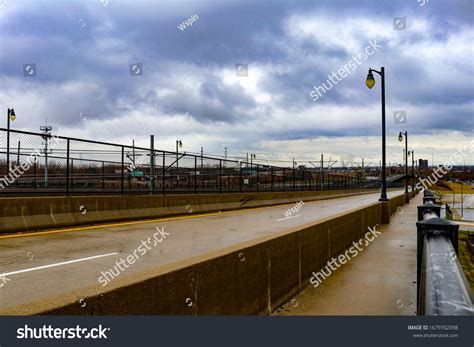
{"points": [[384, 199]]}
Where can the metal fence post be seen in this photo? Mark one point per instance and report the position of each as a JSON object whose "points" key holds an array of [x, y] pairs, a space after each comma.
{"points": [[122, 174], [34, 173], [18, 154], [195, 174], [67, 168], [293, 178], [241, 181], [220, 175], [303, 182], [257, 177], [272, 179], [163, 174], [152, 164]]}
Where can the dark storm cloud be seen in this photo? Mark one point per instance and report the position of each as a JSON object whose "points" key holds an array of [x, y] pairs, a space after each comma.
{"points": [[83, 51]]}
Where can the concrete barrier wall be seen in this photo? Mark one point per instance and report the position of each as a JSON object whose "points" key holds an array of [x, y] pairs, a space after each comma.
{"points": [[396, 202], [35, 213], [251, 278]]}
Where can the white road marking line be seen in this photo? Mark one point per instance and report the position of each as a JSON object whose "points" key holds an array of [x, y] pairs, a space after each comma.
{"points": [[57, 264], [288, 217]]}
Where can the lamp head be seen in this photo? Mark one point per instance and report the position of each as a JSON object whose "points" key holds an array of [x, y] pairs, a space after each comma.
{"points": [[370, 80], [400, 137], [11, 114]]}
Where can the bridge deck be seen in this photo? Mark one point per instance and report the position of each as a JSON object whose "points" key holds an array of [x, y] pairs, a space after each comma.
{"points": [[47, 265], [380, 280]]}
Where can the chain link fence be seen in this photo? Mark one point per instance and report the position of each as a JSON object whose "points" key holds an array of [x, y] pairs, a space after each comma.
{"points": [[35, 163]]}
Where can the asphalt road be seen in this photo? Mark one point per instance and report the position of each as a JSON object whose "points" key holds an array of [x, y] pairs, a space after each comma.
{"points": [[43, 265]]}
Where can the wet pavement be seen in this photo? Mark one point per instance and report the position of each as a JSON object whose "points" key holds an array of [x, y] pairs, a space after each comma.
{"points": [[40, 266], [380, 280]]}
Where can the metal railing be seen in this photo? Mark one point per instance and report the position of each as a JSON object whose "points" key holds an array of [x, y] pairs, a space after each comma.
{"points": [[442, 288], [43, 163]]}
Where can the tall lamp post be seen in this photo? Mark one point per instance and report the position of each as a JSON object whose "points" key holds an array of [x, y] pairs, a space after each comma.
{"points": [[10, 117], [412, 153], [179, 144], [400, 138], [252, 157], [370, 82]]}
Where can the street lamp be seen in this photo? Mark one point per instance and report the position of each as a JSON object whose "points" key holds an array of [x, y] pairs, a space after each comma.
{"points": [[400, 138], [412, 153], [179, 144], [370, 82], [10, 117], [295, 164], [252, 156]]}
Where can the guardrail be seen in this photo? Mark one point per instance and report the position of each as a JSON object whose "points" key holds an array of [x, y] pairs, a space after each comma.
{"points": [[442, 288], [43, 163]]}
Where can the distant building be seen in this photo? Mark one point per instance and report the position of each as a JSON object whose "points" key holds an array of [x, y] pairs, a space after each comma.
{"points": [[423, 163]]}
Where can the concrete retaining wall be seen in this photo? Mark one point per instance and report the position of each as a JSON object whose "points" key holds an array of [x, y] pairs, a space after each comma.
{"points": [[255, 277], [396, 202], [35, 213]]}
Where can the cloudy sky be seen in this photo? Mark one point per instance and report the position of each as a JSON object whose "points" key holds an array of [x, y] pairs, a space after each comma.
{"points": [[120, 70]]}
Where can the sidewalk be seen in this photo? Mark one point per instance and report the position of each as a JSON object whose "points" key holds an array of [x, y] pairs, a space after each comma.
{"points": [[381, 280]]}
